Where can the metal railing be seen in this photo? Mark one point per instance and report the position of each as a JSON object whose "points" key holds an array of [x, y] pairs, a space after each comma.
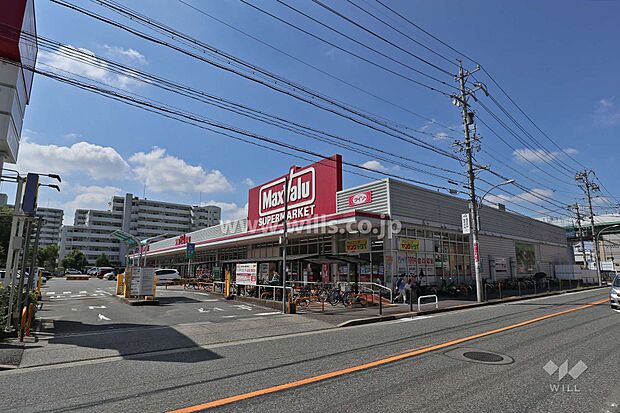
{"points": [[428, 296]]}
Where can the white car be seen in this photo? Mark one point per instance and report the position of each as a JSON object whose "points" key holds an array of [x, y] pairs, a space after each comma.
{"points": [[166, 276], [614, 294]]}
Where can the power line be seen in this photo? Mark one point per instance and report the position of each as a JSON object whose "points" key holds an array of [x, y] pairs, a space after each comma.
{"points": [[276, 85], [326, 73]]}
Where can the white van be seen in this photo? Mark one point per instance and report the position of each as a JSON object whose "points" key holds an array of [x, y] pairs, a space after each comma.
{"points": [[166, 276]]}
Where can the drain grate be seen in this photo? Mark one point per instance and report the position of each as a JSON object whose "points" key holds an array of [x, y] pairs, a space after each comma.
{"points": [[476, 355], [483, 356]]}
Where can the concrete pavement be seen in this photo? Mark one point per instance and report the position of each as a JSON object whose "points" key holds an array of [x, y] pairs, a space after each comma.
{"points": [[435, 381]]}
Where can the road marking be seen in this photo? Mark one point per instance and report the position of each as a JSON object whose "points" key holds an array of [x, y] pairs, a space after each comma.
{"points": [[50, 293], [210, 300], [83, 292], [77, 295], [229, 316], [243, 307], [372, 364], [421, 317], [217, 309], [202, 310], [92, 307], [66, 292], [102, 317], [74, 309], [274, 313]]}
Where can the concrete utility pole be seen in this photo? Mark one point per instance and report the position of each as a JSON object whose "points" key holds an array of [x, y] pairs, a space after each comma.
{"points": [[583, 247], [589, 187], [468, 119], [285, 243]]}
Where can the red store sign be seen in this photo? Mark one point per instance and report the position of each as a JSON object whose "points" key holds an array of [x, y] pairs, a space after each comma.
{"points": [[183, 239], [360, 198], [311, 193]]}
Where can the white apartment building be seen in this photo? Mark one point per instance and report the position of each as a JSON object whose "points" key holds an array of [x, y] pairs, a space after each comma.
{"points": [[51, 225], [143, 218]]}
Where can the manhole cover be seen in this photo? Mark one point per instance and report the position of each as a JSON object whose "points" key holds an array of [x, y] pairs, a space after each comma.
{"points": [[479, 356], [483, 356]]}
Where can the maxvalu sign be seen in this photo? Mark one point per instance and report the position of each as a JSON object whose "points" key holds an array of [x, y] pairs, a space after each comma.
{"points": [[311, 193]]}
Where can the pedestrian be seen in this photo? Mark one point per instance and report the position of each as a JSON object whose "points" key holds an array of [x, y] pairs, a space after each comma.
{"points": [[407, 291], [401, 289], [414, 289]]}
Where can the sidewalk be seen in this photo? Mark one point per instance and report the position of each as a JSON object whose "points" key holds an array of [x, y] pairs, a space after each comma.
{"points": [[341, 316]]}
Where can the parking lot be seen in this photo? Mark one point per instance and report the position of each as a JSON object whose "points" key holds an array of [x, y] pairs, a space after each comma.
{"points": [[83, 320]]}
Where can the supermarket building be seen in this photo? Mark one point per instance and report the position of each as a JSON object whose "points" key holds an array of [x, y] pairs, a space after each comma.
{"points": [[379, 230]]}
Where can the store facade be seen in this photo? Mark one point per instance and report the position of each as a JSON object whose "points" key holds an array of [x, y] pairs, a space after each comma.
{"points": [[378, 231]]}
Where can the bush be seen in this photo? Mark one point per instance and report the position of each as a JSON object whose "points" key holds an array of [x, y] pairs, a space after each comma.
{"points": [[5, 293]]}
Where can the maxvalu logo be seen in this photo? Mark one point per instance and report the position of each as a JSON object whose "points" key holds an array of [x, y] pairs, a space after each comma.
{"points": [[301, 195]]}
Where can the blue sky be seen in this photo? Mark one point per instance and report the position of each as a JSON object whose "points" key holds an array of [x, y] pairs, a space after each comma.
{"points": [[558, 60]]}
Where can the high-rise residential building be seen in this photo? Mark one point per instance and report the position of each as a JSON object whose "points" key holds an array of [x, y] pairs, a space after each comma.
{"points": [[143, 218], [51, 224]]}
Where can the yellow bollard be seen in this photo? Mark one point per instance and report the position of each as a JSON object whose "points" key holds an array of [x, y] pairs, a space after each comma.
{"points": [[39, 285], [120, 282], [227, 284], [154, 286]]}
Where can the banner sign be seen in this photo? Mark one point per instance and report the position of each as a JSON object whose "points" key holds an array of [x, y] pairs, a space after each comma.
{"points": [[311, 193], [357, 245], [190, 250], [246, 274], [408, 244], [360, 198], [466, 226]]}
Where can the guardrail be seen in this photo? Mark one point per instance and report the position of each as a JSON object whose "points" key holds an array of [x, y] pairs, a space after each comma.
{"points": [[428, 296]]}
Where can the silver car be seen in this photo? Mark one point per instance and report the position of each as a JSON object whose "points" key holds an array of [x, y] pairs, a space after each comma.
{"points": [[614, 294]]}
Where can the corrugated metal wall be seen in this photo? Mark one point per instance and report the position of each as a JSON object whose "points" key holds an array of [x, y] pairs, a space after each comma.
{"points": [[378, 205]]}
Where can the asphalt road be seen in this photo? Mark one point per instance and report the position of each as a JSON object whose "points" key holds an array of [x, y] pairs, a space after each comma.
{"points": [[434, 378]]}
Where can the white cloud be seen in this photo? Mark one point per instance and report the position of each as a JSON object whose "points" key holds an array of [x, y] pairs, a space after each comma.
{"points": [[374, 165], [538, 156], [98, 162], [86, 64], [533, 195], [249, 182], [163, 173], [607, 112], [89, 197], [230, 210], [125, 54]]}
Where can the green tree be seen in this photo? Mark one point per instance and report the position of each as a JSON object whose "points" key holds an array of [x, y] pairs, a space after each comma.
{"points": [[102, 261], [75, 259], [47, 257], [5, 231]]}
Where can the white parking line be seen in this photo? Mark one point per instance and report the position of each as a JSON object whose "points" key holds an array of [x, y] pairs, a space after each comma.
{"points": [[83, 292], [273, 313], [50, 293], [92, 307], [218, 309], [243, 307], [66, 292], [229, 316]]}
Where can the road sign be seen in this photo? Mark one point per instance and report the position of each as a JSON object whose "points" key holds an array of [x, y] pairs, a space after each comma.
{"points": [[466, 225], [190, 250]]}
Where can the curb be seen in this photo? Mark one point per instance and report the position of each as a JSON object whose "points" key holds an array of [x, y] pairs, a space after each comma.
{"points": [[397, 316]]}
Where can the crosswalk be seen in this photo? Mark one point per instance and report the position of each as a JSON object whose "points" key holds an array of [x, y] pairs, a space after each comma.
{"points": [[66, 295]]}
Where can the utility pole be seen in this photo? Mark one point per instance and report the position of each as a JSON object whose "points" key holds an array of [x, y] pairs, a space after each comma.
{"points": [[589, 187], [468, 119], [284, 242], [583, 247], [15, 241]]}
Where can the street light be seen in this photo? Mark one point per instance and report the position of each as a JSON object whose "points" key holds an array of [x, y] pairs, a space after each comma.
{"points": [[508, 182], [598, 257]]}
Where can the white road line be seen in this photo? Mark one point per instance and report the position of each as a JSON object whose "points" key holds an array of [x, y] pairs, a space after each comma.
{"points": [[243, 307], [92, 307], [202, 310], [83, 292], [66, 292], [102, 317], [108, 293], [50, 293], [217, 309], [273, 313], [229, 316], [210, 300], [74, 309]]}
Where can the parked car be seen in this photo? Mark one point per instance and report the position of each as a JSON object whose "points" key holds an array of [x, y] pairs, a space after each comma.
{"points": [[102, 271], [72, 271], [166, 276], [110, 275], [614, 294], [92, 271], [46, 275]]}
